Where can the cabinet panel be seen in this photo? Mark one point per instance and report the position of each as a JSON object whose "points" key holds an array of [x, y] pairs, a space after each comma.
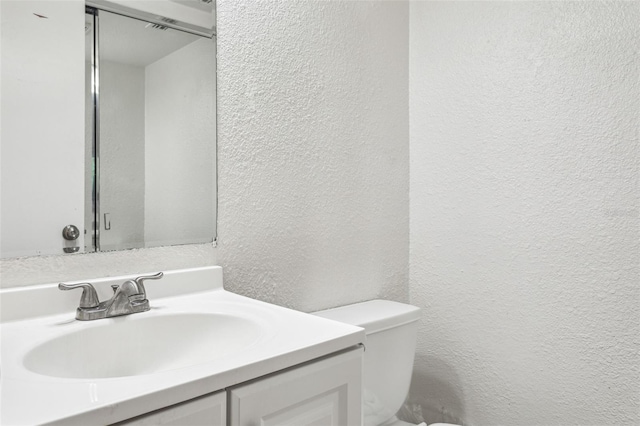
{"points": [[323, 393], [42, 132], [208, 410]]}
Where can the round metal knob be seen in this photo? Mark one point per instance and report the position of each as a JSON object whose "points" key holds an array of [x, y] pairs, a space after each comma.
{"points": [[70, 232]]}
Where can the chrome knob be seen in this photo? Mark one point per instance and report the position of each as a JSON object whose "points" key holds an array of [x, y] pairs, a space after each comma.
{"points": [[89, 298], [70, 232], [139, 281]]}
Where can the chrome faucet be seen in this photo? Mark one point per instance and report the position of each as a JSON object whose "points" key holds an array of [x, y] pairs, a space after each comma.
{"points": [[128, 298]]}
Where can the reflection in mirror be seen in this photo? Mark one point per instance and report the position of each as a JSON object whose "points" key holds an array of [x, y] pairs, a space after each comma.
{"points": [[158, 172], [42, 136], [151, 117], [90, 103]]}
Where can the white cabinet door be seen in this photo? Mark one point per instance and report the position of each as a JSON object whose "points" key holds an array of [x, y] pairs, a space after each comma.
{"points": [[322, 393], [208, 410], [42, 131]]}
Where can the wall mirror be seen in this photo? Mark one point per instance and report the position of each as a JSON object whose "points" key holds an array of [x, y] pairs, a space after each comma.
{"points": [[110, 135]]}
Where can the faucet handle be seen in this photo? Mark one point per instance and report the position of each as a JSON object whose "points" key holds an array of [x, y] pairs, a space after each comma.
{"points": [[89, 298], [139, 281]]}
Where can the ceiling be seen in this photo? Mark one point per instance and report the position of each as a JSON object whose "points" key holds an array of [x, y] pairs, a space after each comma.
{"points": [[134, 42]]}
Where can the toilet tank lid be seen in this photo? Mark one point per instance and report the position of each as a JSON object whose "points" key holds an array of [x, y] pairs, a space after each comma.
{"points": [[374, 315]]}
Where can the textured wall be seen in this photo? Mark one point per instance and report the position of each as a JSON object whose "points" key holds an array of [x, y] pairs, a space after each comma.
{"points": [[50, 269], [313, 150], [525, 211]]}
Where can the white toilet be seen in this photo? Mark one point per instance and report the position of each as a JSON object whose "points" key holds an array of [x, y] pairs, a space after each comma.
{"points": [[391, 330]]}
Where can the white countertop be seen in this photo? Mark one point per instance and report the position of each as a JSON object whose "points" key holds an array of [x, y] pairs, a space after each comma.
{"points": [[289, 338]]}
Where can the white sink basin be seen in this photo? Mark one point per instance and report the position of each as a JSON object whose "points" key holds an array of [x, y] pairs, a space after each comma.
{"points": [[197, 338], [137, 344]]}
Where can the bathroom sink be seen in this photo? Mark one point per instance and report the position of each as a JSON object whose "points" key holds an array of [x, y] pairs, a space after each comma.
{"points": [[136, 345], [196, 338]]}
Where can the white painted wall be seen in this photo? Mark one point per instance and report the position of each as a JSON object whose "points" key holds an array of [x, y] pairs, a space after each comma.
{"points": [[525, 211], [313, 150], [122, 154], [42, 126], [180, 146]]}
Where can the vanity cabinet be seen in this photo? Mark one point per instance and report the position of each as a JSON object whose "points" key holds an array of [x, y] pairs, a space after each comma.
{"points": [[208, 357], [325, 392], [208, 410]]}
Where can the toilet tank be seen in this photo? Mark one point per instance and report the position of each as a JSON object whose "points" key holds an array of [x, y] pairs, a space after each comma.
{"points": [[391, 329]]}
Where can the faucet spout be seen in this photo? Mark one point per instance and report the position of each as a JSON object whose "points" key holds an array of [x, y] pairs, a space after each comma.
{"points": [[127, 299]]}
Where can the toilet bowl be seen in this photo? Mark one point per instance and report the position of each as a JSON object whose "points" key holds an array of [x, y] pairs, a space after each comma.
{"points": [[391, 329]]}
